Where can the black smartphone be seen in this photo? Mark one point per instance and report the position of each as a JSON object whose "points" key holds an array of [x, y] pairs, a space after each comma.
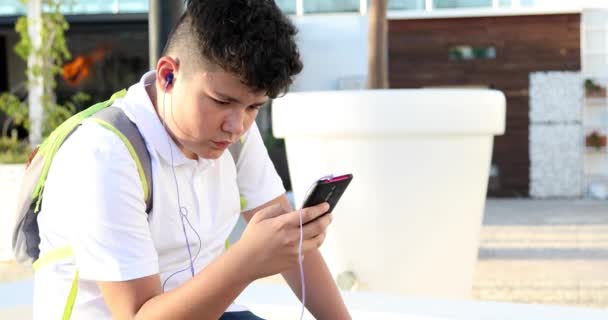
{"points": [[329, 190]]}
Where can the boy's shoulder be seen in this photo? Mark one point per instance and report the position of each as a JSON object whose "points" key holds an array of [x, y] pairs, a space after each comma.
{"points": [[92, 137], [92, 146]]}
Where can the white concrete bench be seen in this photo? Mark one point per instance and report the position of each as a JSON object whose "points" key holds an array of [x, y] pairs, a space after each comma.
{"points": [[277, 302]]}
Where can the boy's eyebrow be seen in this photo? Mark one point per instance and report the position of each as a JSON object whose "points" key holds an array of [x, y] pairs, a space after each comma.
{"points": [[228, 98]]}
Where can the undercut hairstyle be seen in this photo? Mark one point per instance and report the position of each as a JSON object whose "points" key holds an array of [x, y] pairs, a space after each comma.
{"points": [[252, 39]]}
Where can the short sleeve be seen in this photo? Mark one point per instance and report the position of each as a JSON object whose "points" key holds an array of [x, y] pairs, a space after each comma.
{"points": [[94, 194], [257, 177]]}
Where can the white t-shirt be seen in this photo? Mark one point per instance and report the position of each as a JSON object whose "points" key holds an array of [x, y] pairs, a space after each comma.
{"points": [[93, 200]]}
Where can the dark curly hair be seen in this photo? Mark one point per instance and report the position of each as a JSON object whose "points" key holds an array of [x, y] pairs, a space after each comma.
{"points": [[250, 38]]}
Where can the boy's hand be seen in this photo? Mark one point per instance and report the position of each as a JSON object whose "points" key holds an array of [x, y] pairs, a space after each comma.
{"points": [[271, 240]]}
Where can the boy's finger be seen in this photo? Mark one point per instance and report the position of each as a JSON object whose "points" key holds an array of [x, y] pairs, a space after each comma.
{"points": [[316, 227], [268, 213], [308, 214], [313, 243]]}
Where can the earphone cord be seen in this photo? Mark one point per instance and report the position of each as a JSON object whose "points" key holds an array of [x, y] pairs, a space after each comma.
{"points": [[301, 258], [183, 212]]}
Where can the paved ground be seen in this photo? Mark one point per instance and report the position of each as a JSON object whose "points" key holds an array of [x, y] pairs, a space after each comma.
{"points": [[550, 252], [543, 251]]}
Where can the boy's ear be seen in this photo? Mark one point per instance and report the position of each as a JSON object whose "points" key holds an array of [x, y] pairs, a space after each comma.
{"points": [[167, 70]]}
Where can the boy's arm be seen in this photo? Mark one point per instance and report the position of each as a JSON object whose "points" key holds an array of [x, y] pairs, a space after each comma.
{"points": [[206, 296], [267, 247], [323, 298]]}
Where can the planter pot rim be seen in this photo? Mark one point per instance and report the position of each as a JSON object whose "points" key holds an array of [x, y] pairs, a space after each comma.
{"points": [[390, 112]]}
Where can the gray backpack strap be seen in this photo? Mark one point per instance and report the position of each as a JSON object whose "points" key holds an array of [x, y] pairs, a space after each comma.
{"points": [[119, 120]]}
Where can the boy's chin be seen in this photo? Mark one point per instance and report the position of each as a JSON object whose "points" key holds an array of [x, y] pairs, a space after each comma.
{"points": [[211, 154]]}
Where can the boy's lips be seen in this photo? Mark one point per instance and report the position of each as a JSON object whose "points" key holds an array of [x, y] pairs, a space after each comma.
{"points": [[221, 144]]}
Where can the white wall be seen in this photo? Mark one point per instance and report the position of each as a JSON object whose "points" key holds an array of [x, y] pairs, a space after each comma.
{"points": [[333, 47], [572, 3]]}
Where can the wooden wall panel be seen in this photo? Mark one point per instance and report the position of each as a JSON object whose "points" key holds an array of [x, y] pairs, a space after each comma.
{"points": [[418, 57]]}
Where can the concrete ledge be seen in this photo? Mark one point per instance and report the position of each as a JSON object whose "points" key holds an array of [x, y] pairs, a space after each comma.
{"points": [[10, 180], [277, 302]]}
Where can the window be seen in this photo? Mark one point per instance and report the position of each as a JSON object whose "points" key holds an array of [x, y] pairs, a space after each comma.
{"points": [[445, 4], [406, 4], [287, 6], [131, 6], [325, 6], [528, 3], [466, 52], [11, 8], [14, 7], [100, 6]]}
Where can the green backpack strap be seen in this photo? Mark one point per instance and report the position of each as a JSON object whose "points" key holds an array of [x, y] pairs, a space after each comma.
{"points": [[51, 145]]}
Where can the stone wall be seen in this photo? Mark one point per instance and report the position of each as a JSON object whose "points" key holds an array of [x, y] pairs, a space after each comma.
{"points": [[556, 144]]}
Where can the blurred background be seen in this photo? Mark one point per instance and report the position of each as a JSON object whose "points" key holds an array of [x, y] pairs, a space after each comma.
{"points": [[442, 43]]}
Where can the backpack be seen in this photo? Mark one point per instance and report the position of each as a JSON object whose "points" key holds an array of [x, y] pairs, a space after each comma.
{"points": [[25, 237]]}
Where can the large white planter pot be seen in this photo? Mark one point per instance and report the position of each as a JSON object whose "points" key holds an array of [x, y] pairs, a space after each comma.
{"points": [[410, 221], [10, 180]]}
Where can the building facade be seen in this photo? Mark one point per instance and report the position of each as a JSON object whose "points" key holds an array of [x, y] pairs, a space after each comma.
{"points": [[432, 43]]}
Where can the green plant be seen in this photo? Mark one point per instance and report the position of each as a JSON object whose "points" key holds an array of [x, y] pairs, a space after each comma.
{"points": [[595, 140], [13, 150], [53, 49], [55, 114], [480, 52], [455, 54], [590, 85], [594, 90], [17, 111], [53, 52]]}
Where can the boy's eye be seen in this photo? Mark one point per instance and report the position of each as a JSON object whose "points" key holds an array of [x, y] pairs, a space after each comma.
{"points": [[220, 102]]}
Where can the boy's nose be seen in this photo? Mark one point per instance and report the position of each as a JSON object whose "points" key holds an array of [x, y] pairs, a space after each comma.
{"points": [[234, 124]]}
